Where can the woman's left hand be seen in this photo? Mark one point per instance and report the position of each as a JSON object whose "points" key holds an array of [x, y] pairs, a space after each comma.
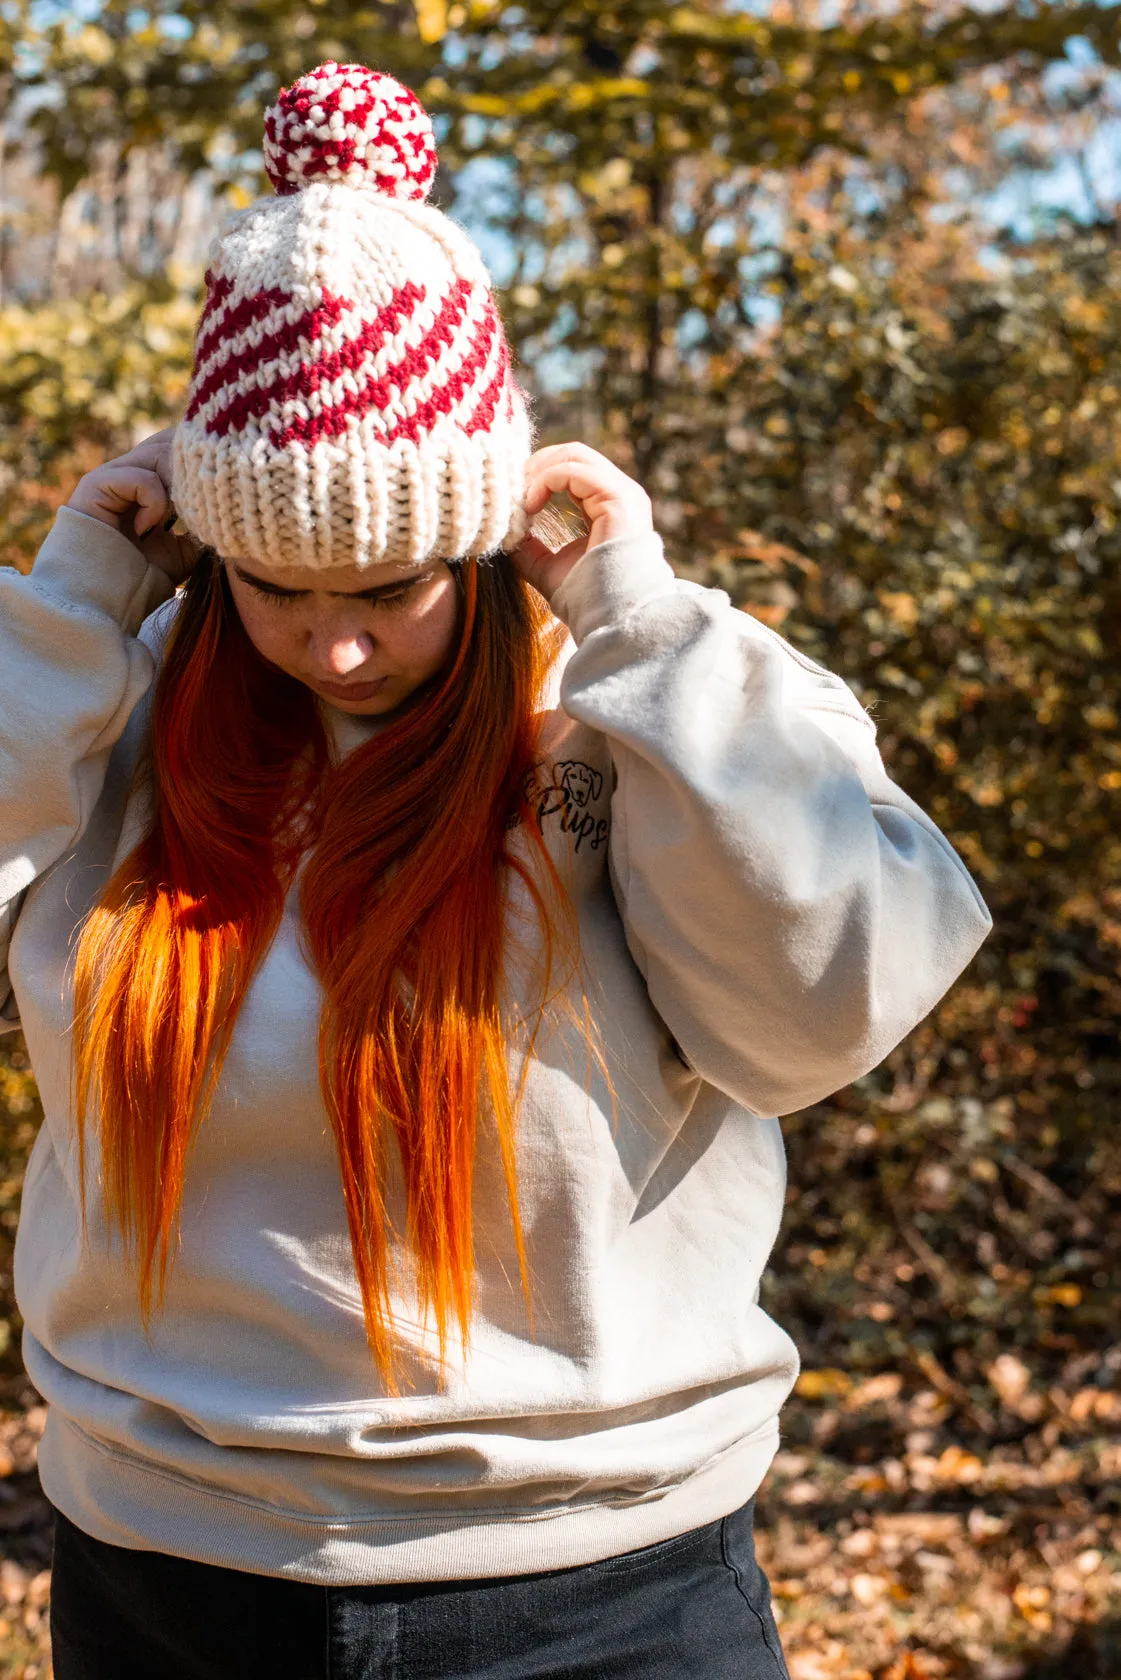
{"points": [[612, 504]]}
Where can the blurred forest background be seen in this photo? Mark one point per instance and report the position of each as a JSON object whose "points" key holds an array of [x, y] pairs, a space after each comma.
{"points": [[840, 282]]}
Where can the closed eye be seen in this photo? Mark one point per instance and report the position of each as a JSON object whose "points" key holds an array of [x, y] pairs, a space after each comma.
{"points": [[279, 597], [390, 595], [393, 597]]}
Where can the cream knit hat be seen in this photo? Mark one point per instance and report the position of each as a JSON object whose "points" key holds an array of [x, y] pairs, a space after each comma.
{"points": [[352, 399]]}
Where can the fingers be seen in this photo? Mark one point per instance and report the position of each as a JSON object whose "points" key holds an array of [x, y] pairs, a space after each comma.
{"points": [[120, 492], [532, 549], [152, 502], [555, 457], [151, 449], [574, 449], [133, 495], [177, 556], [576, 458], [154, 453], [581, 482], [611, 503], [534, 554], [141, 489], [582, 473]]}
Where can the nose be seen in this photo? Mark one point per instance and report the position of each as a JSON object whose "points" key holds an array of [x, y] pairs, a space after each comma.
{"points": [[341, 653]]}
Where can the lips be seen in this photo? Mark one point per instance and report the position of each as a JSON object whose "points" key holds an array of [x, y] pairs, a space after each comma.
{"points": [[352, 691]]}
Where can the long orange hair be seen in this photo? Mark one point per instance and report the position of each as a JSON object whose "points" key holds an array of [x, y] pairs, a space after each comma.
{"points": [[403, 898]]}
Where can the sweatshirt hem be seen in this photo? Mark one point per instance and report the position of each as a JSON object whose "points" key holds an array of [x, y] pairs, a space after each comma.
{"points": [[123, 1502]]}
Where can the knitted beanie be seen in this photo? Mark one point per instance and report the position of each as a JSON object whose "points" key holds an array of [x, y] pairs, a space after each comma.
{"points": [[352, 400]]}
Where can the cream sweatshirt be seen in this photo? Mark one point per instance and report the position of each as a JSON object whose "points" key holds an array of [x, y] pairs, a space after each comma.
{"points": [[762, 914]]}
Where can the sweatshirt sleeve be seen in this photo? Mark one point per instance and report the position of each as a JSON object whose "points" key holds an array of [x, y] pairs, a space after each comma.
{"points": [[793, 913], [71, 672]]}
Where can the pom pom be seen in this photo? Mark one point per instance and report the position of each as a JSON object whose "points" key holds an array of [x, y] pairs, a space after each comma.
{"points": [[343, 122]]}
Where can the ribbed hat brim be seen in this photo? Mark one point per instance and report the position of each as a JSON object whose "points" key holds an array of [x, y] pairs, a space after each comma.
{"points": [[354, 500]]}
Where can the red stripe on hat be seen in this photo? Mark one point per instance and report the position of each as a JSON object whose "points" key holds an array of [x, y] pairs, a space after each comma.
{"points": [[255, 404], [488, 402], [442, 402], [217, 291], [292, 338], [376, 394], [242, 315]]}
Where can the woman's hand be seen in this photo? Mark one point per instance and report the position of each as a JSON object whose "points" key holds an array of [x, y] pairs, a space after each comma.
{"points": [[612, 504], [132, 495]]}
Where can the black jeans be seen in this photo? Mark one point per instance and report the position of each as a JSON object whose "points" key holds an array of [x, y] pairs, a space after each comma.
{"points": [[695, 1606]]}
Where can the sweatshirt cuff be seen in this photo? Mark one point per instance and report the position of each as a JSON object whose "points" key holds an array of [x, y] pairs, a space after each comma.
{"points": [[87, 564], [611, 580]]}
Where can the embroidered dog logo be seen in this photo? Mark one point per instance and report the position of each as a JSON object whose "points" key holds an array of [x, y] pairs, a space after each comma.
{"points": [[565, 790], [580, 781]]}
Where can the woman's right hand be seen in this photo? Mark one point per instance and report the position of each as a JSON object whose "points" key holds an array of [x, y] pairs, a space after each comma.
{"points": [[132, 494]]}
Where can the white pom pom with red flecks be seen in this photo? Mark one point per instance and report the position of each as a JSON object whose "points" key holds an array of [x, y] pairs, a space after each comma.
{"points": [[347, 123]]}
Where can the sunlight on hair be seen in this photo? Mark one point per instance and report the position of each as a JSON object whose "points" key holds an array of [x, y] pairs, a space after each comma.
{"points": [[557, 526]]}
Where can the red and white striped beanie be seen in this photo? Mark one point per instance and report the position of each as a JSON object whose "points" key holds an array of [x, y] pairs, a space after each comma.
{"points": [[352, 399]]}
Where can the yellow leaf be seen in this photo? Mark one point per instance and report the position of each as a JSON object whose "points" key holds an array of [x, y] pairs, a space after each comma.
{"points": [[1011, 1379], [936, 1528], [1031, 1602], [431, 19], [95, 45], [823, 1384], [900, 607], [869, 1589], [884, 1387], [1059, 1294], [490, 104], [957, 1465], [583, 96], [868, 1482]]}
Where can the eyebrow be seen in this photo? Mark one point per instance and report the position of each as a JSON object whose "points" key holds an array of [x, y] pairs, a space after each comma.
{"points": [[342, 594]]}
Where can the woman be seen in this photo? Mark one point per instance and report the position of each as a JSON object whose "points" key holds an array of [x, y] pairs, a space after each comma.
{"points": [[411, 998]]}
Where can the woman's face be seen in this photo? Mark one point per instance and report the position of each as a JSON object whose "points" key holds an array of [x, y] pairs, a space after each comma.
{"points": [[363, 638]]}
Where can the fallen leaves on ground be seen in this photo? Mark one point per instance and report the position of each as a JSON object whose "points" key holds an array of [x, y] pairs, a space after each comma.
{"points": [[935, 1561]]}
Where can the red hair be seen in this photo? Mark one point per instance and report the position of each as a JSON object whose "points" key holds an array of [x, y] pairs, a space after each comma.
{"points": [[403, 898]]}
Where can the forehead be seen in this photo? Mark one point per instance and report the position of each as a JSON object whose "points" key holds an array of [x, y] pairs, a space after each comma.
{"points": [[331, 580]]}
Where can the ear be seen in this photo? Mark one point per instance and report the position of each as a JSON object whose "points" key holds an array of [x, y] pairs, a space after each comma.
{"points": [[597, 783]]}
